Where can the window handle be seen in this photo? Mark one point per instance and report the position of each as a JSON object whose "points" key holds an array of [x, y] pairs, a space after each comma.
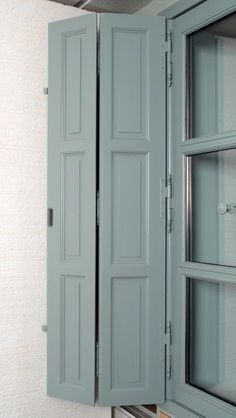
{"points": [[226, 208]]}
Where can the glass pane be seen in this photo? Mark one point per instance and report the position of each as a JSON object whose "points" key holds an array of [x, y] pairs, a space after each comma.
{"points": [[211, 208], [211, 338], [211, 80]]}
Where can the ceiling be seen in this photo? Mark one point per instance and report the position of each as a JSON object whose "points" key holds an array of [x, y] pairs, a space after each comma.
{"points": [[100, 6]]}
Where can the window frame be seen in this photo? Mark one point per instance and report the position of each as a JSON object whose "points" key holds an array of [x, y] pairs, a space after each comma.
{"points": [[179, 269]]}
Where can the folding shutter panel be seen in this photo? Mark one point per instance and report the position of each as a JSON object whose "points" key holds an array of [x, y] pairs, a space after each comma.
{"points": [[132, 233], [72, 198]]}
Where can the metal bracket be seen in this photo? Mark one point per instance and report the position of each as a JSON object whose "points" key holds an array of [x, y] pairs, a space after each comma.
{"points": [[166, 201], [169, 204], [167, 49], [163, 197]]}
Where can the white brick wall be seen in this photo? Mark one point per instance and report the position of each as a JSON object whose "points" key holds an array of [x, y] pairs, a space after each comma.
{"points": [[23, 136]]}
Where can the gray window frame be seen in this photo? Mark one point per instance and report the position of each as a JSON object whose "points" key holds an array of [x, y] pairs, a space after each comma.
{"points": [[177, 390]]}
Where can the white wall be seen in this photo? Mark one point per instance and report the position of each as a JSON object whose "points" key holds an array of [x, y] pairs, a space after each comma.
{"points": [[155, 7], [23, 138]]}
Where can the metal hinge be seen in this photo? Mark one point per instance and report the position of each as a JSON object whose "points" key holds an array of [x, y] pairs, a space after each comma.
{"points": [[98, 208], [45, 90], [169, 59], [166, 201], [97, 359], [44, 328], [168, 342], [169, 204]]}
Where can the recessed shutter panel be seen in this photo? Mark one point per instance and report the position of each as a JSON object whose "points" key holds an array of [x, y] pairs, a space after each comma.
{"points": [[71, 201], [132, 233]]}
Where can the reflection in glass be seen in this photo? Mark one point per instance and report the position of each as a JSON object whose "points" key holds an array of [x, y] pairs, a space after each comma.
{"points": [[211, 338], [211, 211], [211, 80]]}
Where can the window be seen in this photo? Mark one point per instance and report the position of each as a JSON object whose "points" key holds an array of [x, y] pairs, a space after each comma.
{"points": [[203, 273]]}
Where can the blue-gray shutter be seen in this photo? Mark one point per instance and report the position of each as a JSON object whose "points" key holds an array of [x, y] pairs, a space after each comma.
{"points": [[132, 233], [72, 197]]}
